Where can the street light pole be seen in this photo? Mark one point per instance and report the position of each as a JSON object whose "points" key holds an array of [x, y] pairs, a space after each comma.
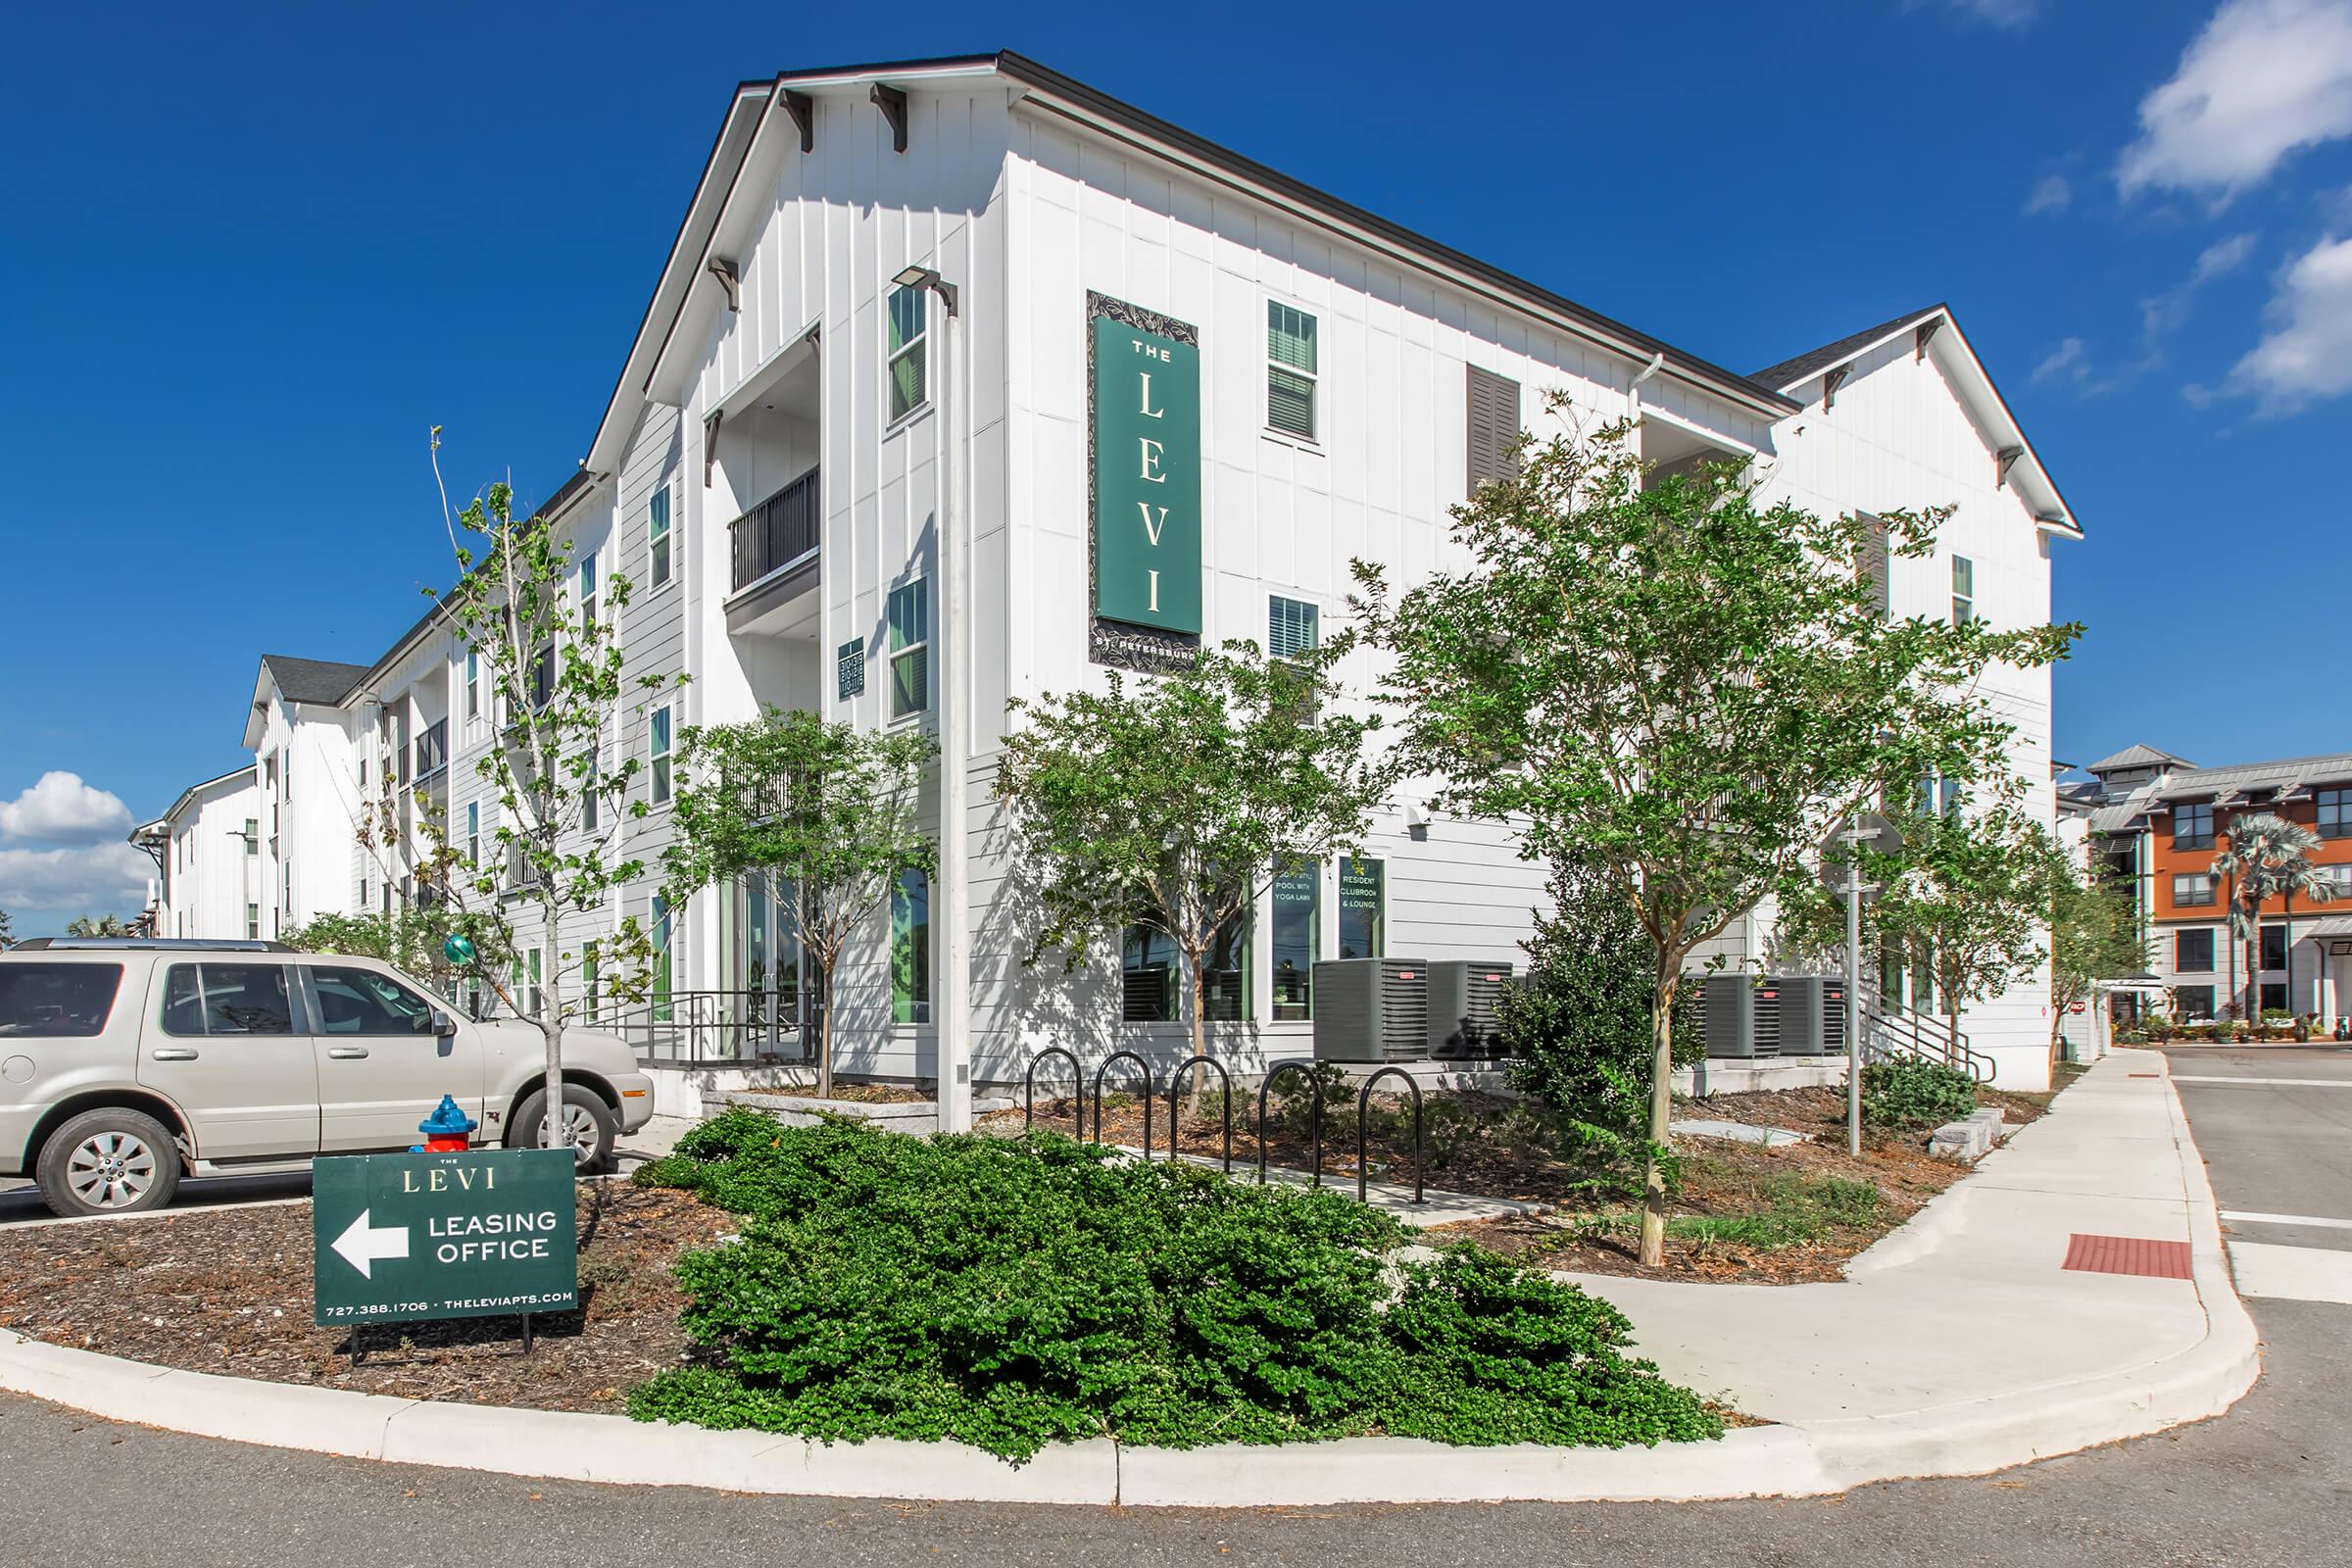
{"points": [[1853, 988], [951, 900]]}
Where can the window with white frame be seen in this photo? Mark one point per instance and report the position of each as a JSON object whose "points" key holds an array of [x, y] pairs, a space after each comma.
{"points": [[909, 350], [657, 536], [473, 684], [588, 587], [591, 803], [657, 755], [473, 833], [1293, 370], [1964, 590], [909, 648]]}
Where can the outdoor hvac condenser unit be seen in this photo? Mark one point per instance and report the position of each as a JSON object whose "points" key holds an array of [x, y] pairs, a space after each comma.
{"points": [[1465, 998], [1801, 1003], [1729, 1019], [1371, 1009]]}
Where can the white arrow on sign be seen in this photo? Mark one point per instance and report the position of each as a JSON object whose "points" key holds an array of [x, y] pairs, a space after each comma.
{"points": [[361, 1245]]}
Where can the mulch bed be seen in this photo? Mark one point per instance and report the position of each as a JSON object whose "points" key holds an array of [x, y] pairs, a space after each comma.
{"points": [[228, 1290]]}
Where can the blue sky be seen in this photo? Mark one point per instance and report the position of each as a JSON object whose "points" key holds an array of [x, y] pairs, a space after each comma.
{"points": [[251, 254]]}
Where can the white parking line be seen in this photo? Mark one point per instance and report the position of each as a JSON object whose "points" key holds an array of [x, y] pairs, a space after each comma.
{"points": [[2292, 1273], [2290, 1083], [2245, 1217]]}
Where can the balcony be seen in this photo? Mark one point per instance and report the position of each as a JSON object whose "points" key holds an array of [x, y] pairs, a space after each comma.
{"points": [[778, 535], [432, 749]]}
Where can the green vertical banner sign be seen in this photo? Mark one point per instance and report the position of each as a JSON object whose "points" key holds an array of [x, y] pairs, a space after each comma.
{"points": [[1146, 479]]}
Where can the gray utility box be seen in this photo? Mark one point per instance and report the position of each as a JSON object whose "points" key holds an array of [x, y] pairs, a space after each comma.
{"points": [[1371, 1009], [1464, 997], [1802, 1000], [1728, 1019]]}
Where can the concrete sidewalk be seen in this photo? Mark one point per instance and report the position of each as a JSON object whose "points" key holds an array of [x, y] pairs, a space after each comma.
{"points": [[1966, 1319]]}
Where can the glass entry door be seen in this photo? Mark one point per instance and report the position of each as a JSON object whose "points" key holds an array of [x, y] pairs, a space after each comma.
{"points": [[769, 967]]}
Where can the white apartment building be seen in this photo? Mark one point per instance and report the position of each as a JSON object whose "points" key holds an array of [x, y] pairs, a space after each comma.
{"points": [[794, 427], [208, 852]]}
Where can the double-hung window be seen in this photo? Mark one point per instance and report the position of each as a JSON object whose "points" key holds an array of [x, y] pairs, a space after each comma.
{"points": [[2192, 951], [588, 587], [1291, 370], [657, 536], [473, 684], [909, 648], [2192, 826], [473, 835], [591, 799], [657, 755], [909, 351], [2334, 814], [2192, 889], [1964, 590]]}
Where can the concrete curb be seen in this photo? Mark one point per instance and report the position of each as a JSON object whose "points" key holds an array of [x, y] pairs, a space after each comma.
{"points": [[1968, 1437]]}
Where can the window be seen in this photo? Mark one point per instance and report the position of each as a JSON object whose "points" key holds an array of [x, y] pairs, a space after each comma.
{"points": [[57, 1000], [588, 981], [473, 833], [587, 588], [2193, 951], [526, 977], [1225, 975], [2273, 995], [363, 895], [253, 922], [909, 321], [909, 648], [1494, 427], [1298, 942], [2192, 827], [911, 946], [1363, 908], [591, 803], [1964, 590], [2193, 1001], [849, 669], [542, 689], [1292, 627], [360, 1002], [1148, 969], [665, 961], [226, 999], [253, 836], [1291, 370], [2338, 878], [363, 770], [657, 535], [2274, 947], [473, 684], [2334, 813], [657, 755], [2193, 888]]}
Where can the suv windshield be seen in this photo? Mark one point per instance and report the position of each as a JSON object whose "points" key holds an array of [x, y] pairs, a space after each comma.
{"points": [[57, 999]]}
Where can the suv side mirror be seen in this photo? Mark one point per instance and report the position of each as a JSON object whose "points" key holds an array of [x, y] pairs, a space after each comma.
{"points": [[445, 1027]]}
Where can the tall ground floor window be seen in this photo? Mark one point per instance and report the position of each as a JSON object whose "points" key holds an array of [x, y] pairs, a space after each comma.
{"points": [[1148, 972], [911, 947], [2194, 1002], [1298, 942], [665, 960], [1363, 908], [767, 961], [1225, 975]]}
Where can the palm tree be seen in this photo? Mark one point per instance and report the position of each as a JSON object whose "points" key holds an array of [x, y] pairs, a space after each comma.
{"points": [[104, 925], [2269, 857], [7, 937]]}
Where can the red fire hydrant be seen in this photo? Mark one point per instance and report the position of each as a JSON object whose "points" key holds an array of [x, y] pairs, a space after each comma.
{"points": [[447, 1131]]}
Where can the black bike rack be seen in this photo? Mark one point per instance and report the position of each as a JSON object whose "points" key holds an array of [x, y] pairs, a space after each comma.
{"points": [[1176, 1078], [1146, 1068], [1077, 1089], [1363, 1104], [1315, 1124]]}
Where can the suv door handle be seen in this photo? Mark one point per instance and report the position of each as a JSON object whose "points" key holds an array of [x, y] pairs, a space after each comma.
{"points": [[174, 1053], [346, 1052]]}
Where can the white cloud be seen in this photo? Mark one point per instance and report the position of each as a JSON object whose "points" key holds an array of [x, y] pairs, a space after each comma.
{"points": [[2307, 353], [2167, 313], [2050, 194], [90, 878], [61, 809], [2000, 13], [2070, 361], [2263, 80]]}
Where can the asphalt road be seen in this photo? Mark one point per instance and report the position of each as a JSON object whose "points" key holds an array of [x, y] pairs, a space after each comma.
{"points": [[2270, 1482]]}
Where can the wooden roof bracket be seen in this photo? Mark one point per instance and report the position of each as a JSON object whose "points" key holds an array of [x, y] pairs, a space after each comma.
{"points": [[2003, 461], [803, 110], [893, 104]]}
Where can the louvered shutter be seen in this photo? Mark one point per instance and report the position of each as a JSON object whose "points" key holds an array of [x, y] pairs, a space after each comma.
{"points": [[1493, 426], [1291, 627], [1871, 564]]}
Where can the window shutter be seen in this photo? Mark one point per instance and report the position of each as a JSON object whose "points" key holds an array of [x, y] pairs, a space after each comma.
{"points": [[1871, 563], [1493, 426]]}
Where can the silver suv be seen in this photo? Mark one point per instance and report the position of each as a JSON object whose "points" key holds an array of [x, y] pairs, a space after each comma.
{"points": [[123, 1064]]}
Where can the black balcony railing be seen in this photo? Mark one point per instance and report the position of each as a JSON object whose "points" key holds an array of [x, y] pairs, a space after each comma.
{"points": [[433, 748], [776, 533]]}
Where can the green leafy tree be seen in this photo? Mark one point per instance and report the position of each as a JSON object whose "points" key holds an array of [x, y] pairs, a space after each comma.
{"points": [[2268, 858], [411, 939], [558, 683], [102, 925], [2096, 935], [1170, 801], [1691, 688], [823, 807]]}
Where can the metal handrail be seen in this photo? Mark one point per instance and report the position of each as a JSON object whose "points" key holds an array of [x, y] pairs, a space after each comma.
{"points": [[1924, 1036], [1363, 1104], [1077, 1087], [1314, 1086], [1177, 1077], [711, 1028], [1146, 1068]]}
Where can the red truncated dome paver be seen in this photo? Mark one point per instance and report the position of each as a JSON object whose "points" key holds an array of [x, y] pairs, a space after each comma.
{"points": [[2127, 1254]]}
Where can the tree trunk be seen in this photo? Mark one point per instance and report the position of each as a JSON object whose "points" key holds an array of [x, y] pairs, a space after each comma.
{"points": [[825, 1033], [1661, 1114], [1200, 998], [551, 1026]]}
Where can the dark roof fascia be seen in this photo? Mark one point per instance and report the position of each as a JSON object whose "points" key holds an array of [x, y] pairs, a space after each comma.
{"points": [[1805, 366], [189, 794], [1689, 366]]}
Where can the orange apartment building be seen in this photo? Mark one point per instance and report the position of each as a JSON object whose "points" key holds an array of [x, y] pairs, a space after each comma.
{"points": [[2163, 820]]}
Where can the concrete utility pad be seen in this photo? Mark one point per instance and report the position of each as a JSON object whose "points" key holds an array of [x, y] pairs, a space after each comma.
{"points": [[1740, 1133]]}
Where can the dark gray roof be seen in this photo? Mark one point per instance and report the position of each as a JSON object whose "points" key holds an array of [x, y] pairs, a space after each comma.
{"points": [[312, 680], [1788, 373], [2137, 756]]}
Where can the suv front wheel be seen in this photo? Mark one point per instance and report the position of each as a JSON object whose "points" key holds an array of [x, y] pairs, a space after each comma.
{"points": [[107, 1162], [588, 1126]]}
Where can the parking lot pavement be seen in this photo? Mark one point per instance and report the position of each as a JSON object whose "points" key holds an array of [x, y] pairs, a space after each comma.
{"points": [[2275, 1125]]}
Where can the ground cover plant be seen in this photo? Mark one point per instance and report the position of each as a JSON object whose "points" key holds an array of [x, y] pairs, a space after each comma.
{"points": [[1908, 1093], [1011, 1293]]}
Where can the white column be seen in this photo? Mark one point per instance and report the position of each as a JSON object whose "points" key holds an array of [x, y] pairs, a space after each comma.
{"points": [[951, 904]]}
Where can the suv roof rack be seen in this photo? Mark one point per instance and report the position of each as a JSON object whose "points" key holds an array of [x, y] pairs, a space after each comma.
{"points": [[144, 945]]}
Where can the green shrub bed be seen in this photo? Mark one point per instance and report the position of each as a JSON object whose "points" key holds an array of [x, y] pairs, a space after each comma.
{"points": [[1907, 1094], [1013, 1293]]}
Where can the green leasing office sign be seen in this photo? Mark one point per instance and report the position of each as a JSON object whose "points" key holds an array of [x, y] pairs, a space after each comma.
{"points": [[1144, 383], [478, 1234]]}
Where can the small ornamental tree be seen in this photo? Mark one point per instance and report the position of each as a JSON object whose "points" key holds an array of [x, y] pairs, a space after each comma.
{"points": [[1694, 689], [411, 939], [2096, 935], [825, 807], [1172, 801], [557, 683], [2268, 858]]}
